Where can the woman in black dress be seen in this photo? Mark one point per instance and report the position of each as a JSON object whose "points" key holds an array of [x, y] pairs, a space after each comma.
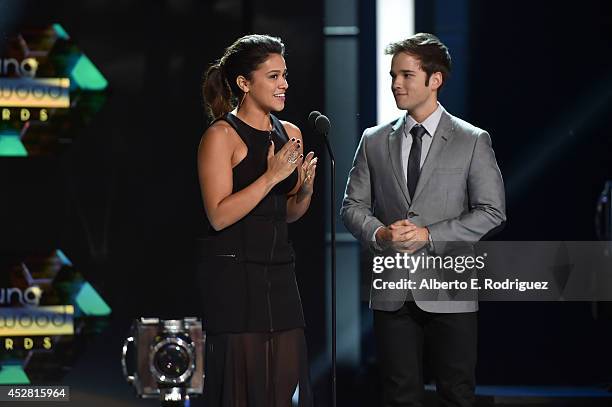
{"points": [[254, 179]]}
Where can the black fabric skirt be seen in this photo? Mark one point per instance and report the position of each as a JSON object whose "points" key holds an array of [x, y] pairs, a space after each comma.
{"points": [[256, 352], [239, 296], [257, 370]]}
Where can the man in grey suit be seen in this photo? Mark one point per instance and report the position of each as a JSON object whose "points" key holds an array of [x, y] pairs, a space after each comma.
{"points": [[418, 184]]}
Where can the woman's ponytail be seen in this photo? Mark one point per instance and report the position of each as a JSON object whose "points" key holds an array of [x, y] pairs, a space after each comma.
{"points": [[217, 93]]}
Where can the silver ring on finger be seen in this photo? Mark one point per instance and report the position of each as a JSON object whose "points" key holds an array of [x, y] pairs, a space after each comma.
{"points": [[293, 157]]}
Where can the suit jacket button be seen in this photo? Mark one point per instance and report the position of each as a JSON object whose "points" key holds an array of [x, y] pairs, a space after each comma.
{"points": [[412, 214]]}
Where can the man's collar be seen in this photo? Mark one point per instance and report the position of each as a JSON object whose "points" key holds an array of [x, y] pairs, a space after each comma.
{"points": [[430, 123]]}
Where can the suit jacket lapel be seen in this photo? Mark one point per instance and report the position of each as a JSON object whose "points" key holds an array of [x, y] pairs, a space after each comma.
{"points": [[395, 155], [443, 133]]}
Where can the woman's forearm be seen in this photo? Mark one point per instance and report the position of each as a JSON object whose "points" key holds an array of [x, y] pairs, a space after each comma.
{"points": [[297, 205], [237, 205]]}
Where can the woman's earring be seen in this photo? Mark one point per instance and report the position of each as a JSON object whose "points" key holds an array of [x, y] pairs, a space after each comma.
{"points": [[242, 100]]}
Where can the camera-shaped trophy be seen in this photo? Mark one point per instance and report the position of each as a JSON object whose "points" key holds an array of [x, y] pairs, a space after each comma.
{"points": [[168, 359]]}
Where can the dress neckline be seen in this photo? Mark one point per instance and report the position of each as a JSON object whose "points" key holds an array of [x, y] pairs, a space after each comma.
{"points": [[253, 128]]}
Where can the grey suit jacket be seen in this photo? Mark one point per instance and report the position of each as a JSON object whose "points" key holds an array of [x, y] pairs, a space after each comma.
{"points": [[459, 197]]}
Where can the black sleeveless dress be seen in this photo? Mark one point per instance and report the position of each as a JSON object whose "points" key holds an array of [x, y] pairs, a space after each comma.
{"points": [[252, 313]]}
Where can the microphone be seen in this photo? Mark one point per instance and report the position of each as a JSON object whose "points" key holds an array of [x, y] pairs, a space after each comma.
{"points": [[312, 117], [322, 124]]}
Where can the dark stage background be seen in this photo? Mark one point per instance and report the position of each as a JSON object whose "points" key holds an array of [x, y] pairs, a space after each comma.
{"points": [[123, 201], [541, 82]]}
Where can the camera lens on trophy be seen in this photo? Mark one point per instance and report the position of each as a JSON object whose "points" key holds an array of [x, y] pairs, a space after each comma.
{"points": [[172, 360], [169, 359]]}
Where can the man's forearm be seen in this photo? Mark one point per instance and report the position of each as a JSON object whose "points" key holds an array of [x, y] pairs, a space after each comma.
{"points": [[360, 222], [487, 199], [470, 227]]}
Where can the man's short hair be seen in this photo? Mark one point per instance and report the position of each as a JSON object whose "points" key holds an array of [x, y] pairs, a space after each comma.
{"points": [[429, 50]]}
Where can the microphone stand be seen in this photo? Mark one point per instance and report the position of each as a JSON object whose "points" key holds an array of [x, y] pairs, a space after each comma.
{"points": [[332, 209], [321, 124]]}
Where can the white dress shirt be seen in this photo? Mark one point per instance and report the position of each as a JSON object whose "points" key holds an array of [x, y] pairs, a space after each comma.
{"points": [[430, 124]]}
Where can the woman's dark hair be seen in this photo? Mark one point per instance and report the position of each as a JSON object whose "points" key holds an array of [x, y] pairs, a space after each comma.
{"points": [[241, 58], [429, 50]]}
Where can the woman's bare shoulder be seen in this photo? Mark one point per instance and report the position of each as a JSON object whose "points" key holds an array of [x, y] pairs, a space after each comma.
{"points": [[291, 129], [220, 133]]}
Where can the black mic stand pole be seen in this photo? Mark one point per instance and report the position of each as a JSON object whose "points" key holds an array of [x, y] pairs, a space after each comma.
{"points": [[322, 125], [332, 209]]}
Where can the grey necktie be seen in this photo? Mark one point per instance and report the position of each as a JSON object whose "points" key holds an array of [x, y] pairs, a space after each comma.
{"points": [[414, 159]]}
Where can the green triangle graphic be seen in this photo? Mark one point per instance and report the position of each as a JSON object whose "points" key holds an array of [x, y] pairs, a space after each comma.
{"points": [[87, 76], [60, 32], [63, 258], [11, 145], [89, 301], [13, 374]]}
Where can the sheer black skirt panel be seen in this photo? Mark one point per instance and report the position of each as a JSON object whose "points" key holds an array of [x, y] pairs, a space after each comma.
{"points": [[257, 369]]}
